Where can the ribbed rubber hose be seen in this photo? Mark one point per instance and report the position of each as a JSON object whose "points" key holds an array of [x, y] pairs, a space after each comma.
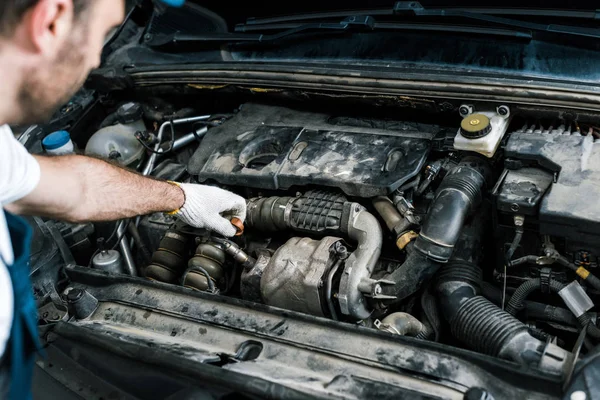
{"points": [[515, 304], [592, 330], [484, 326], [427, 331]]}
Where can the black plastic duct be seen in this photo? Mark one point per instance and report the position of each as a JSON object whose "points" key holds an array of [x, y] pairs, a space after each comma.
{"points": [[484, 327], [459, 194]]}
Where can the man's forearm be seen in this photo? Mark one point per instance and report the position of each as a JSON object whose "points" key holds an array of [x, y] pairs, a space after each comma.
{"points": [[82, 189]]}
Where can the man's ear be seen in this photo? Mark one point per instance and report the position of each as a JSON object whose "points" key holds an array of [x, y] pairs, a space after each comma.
{"points": [[48, 25]]}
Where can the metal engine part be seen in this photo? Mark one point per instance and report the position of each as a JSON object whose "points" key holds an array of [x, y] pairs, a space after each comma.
{"points": [[326, 213], [294, 278], [109, 261]]}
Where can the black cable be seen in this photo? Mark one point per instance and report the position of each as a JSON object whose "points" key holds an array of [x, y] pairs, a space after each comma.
{"points": [[148, 148], [514, 245], [163, 152], [114, 232], [515, 304], [210, 283]]}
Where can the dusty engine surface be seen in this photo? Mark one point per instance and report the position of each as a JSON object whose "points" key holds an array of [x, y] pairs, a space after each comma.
{"points": [[471, 235], [267, 147]]}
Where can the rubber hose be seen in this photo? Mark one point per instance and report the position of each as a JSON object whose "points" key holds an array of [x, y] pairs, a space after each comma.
{"points": [[484, 326], [587, 276], [515, 304], [403, 324], [514, 245], [427, 331], [135, 234], [458, 195], [432, 314], [592, 330], [534, 310]]}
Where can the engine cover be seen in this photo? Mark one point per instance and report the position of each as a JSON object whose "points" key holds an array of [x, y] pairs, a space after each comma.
{"points": [[276, 148]]}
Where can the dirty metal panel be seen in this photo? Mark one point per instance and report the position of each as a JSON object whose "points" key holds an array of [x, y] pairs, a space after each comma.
{"points": [[575, 160], [275, 148], [297, 350]]}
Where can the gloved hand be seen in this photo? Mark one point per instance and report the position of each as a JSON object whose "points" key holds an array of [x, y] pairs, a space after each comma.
{"points": [[211, 208]]}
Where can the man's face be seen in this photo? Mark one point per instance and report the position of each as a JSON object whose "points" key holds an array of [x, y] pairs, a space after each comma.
{"points": [[47, 87]]}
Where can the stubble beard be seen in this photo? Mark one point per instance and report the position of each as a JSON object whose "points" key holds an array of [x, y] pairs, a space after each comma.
{"points": [[45, 88]]}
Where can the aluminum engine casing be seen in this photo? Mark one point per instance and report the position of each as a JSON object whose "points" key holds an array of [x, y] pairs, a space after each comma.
{"points": [[294, 277]]}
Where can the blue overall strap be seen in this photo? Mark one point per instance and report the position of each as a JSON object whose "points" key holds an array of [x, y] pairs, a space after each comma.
{"points": [[24, 341]]}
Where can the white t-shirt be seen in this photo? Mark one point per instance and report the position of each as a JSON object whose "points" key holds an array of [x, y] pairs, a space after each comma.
{"points": [[19, 175]]}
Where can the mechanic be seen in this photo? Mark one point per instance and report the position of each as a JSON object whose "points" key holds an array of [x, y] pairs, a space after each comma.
{"points": [[47, 48]]}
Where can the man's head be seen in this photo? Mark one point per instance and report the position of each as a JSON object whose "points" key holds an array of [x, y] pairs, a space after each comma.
{"points": [[48, 47]]}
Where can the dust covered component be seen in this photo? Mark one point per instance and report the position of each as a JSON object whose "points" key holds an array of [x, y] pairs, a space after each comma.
{"points": [[575, 160], [276, 148]]}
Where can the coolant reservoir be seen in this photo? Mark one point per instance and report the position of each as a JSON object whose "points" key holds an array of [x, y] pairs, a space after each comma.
{"points": [[482, 132], [118, 142]]}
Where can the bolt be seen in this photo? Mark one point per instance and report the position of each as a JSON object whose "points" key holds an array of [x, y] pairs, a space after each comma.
{"points": [[378, 289], [74, 295], [45, 315], [464, 110], [503, 110], [519, 220], [578, 395]]}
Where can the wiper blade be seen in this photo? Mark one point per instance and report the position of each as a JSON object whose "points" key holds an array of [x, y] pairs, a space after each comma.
{"points": [[535, 12], [403, 27], [244, 33], [354, 23], [529, 12], [414, 8]]}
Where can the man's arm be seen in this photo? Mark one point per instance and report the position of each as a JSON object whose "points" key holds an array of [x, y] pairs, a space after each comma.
{"points": [[82, 189]]}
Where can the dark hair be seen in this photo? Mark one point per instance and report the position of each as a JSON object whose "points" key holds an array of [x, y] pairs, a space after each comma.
{"points": [[12, 11]]}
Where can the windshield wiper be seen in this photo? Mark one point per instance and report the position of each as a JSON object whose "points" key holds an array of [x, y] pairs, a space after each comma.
{"points": [[363, 23], [414, 8], [401, 7], [409, 11], [354, 23]]}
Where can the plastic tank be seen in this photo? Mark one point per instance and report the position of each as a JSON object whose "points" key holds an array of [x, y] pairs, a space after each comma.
{"points": [[118, 142], [58, 143]]}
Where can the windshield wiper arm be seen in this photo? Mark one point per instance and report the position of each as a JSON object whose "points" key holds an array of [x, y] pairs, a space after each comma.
{"points": [[414, 8], [353, 22], [244, 33]]}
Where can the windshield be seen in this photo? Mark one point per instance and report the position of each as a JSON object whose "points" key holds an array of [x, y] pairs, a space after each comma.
{"points": [[391, 42]]}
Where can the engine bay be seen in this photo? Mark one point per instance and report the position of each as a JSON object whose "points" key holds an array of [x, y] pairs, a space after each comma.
{"points": [[478, 231]]}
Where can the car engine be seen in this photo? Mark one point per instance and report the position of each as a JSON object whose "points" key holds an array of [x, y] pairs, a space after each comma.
{"points": [[479, 232]]}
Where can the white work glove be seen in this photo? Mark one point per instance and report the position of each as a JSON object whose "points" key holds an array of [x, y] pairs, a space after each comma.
{"points": [[211, 208]]}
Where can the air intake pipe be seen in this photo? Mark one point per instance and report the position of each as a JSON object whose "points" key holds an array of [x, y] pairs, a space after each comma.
{"points": [[484, 327], [459, 194], [329, 214]]}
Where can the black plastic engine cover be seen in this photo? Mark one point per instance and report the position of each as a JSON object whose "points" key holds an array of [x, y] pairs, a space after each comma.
{"points": [[276, 148], [569, 209]]}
